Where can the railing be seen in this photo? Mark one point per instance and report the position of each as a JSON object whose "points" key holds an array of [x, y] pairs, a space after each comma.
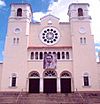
{"points": [[19, 95], [84, 101]]}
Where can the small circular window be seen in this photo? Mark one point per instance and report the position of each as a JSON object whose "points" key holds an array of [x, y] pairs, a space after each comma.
{"points": [[17, 30], [82, 30], [49, 36]]}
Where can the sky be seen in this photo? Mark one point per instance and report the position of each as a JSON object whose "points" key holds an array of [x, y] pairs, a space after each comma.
{"points": [[57, 8]]}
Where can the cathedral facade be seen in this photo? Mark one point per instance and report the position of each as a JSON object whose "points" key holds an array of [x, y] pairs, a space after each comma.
{"points": [[49, 56]]}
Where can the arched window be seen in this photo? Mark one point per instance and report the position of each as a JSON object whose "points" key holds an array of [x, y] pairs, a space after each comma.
{"points": [[17, 40], [67, 55], [86, 79], [19, 12], [32, 55], [33, 74], [84, 40], [63, 55], [13, 80], [58, 55], [81, 40], [80, 12], [36, 55], [14, 40], [65, 74], [54, 53], [49, 52], [45, 53], [50, 73], [41, 55]]}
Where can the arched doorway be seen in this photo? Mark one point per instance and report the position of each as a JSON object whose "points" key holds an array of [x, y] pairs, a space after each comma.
{"points": [[50, 81], [65, 82], [34, 82]]}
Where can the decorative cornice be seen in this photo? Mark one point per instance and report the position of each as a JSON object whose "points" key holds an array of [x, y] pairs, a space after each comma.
{"points": [[31, 47]]}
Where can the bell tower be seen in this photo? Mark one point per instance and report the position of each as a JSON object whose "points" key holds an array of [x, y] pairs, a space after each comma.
{"points": [[83, 49], [15, 52], [20, 11], [79, 11], [79, 15]]}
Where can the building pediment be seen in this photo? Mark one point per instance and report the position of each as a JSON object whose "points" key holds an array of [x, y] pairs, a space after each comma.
{"points": [[49, 16], [49, 19]]}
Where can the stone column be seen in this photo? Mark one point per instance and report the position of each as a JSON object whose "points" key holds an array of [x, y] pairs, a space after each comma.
{"points": [[41, 85], [58, 85]]}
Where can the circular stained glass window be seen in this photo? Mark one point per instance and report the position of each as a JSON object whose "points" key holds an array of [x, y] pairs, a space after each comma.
{"points": [[49, 36]]}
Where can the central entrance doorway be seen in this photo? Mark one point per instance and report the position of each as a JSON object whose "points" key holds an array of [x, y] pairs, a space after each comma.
{"points": [[50, 81], [34, 82], [50, 85], [65, 82]]}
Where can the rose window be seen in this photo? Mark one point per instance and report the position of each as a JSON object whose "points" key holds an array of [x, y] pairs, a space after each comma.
{"points": [[49, 36]]}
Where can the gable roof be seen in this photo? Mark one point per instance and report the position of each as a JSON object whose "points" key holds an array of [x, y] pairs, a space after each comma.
{"points": [[49, 15]]}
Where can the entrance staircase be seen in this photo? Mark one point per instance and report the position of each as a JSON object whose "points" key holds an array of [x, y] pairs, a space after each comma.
{"points": [[56, 98]]}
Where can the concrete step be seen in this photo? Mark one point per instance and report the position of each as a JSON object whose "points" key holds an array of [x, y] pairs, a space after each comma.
{"points": [[41, 98]]}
